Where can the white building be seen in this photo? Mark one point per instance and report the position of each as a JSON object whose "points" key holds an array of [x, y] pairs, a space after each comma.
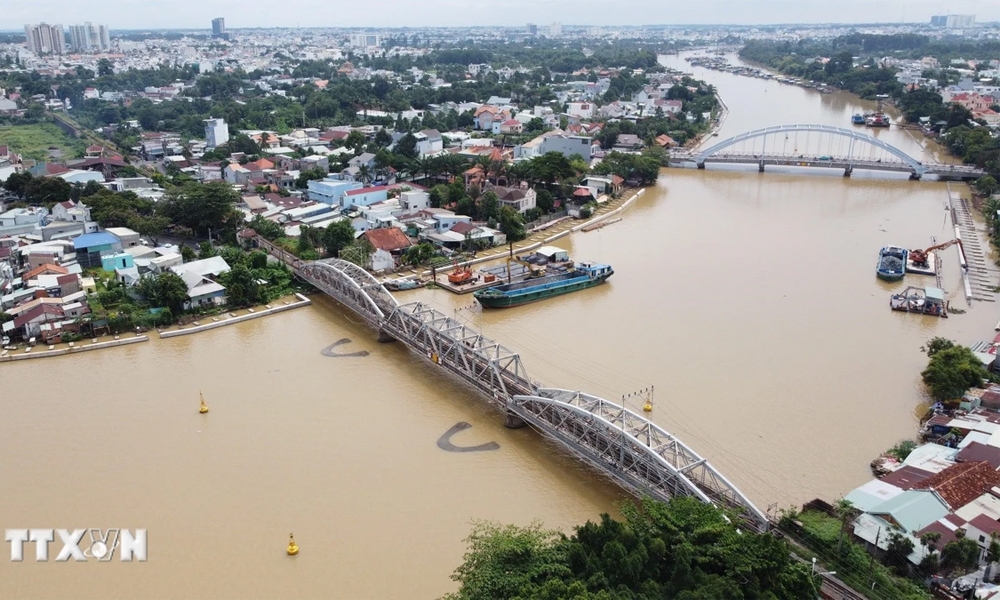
{"points": [[365, 40], [216, 132], [45, 39]]}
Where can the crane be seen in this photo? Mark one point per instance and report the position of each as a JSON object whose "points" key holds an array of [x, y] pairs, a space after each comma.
{"points": [[919, 257]]}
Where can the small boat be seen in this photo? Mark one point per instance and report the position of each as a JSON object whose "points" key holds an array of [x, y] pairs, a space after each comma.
{"points": [[858, 119], [891, 265], [582, 276], [395, 285], [877, 119]]}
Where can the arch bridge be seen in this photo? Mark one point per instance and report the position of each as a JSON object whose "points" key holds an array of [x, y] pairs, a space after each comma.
{"points": [[639, 455], [805, 145]]}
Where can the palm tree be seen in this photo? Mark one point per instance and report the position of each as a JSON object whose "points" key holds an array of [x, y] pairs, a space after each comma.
{"points": [[364, 174], [845, 512]]}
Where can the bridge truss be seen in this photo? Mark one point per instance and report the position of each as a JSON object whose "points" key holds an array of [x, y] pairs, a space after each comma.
{"points": [[494, 369], [352, 286], [639, 455]]}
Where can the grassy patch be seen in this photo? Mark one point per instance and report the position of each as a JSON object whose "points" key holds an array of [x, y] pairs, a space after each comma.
{"points": [[33, 141]]}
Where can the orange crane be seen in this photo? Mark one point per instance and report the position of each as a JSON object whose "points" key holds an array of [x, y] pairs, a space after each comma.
{"points": [[919, 257], [460, 275]]}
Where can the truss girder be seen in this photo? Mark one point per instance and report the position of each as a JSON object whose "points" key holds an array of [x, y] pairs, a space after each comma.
{"points": [[633, 450], [911, 162], [494, 369], [352, 286]]}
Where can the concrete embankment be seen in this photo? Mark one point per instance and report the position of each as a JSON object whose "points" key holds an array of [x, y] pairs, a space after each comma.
{"points": [[256, 313], [74, 349]]}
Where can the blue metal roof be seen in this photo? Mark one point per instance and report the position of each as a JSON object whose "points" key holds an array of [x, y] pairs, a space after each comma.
{"points": [[88, 240]]}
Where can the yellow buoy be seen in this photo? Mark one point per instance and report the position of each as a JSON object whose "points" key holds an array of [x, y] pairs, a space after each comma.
{"points": [[204, 407], [293, 548], [648, 406]]}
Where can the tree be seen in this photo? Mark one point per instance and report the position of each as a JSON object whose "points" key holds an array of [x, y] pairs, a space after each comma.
{"points": [[204, 208], [382, 138], [987, 186], [845, 513], [407, 146], [242, 143], [242, 288], [151, 226], [898, 549], [337, 236], [512, 224], [960, 555], [952, 371], [17, 183], [683, 549], [544, 200], [419, 254], [47, 190], [302, 181], [269, 230], [489, 206], [355, 140], [166, 289], [105, 68], [187, 254]]}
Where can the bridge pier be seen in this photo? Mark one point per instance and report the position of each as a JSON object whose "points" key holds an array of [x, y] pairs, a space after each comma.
{"points": [[760, 167], [848, 171], [512, 421], [701, 165], [914, 176], [385, 338]]}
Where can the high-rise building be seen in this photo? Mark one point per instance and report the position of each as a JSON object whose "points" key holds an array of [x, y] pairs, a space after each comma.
{"points": [[365, 40], [216, 132], [45, 39], [218, 27], [555, 30], [532, 29], [87, 38], [954, 21]]}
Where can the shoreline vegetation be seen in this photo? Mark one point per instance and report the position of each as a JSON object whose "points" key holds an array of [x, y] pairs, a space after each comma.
{"points": [[232, 317]]}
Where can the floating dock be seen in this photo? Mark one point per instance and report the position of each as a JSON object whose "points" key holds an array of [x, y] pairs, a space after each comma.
{"points": [[930, 269], [926, 301]]}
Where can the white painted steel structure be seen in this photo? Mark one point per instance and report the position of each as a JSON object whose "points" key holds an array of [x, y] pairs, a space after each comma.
{"points": [[633, 451]]}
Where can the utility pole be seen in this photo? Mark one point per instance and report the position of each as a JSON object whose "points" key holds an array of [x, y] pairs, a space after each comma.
{"points": [[871, 563]]}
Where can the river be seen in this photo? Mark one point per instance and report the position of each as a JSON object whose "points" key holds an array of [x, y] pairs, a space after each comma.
{"points": [[747, 300]]}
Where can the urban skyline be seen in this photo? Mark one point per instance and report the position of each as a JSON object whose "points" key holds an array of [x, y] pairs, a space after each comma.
{"points": [[185, 14]]}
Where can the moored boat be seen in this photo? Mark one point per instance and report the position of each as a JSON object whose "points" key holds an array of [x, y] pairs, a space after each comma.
{"points": [[582, 276], [858, 119], [891, 265]]}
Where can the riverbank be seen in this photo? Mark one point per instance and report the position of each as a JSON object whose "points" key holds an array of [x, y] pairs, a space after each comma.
{"points": [[230, 318], [543, 235], [70, 347]]}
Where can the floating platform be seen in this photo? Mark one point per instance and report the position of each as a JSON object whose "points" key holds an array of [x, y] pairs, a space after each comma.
{"points": [[926, 301], [930, 269]]}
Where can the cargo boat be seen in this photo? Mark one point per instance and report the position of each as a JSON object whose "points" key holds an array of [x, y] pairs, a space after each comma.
{"points": [[891, 265], [582, 276]]}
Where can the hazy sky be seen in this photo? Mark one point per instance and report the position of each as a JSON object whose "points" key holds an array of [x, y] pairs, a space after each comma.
{"points": [[147, 14]]}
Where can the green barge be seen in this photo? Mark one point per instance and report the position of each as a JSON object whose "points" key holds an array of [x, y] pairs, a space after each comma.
{"points": [[582, 276]]}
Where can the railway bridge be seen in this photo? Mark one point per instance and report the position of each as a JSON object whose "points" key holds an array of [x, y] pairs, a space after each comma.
{"points": [[639, 455], [804, 145]]}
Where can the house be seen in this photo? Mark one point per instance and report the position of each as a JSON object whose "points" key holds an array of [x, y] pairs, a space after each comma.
{"points": [[365, 196], [90, 247], [672, 107], [126, 236], [961, 483], [71, 211], [198, 276], [567, 145], [665, 141], [511, 126], [521, 199], [429, 142], [583, 110], [331, 191], [628, 141], [909, 511], [366, 160], [485, 116], [389, 243], [30, 322]]}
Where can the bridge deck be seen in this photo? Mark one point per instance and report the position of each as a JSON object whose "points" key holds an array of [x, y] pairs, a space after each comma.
{"points": [[633, 451]]}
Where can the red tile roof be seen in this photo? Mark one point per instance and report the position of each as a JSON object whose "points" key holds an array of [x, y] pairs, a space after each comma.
{"points": [[962, 483], [376, 188], [389, 239], [985, 524], [43, 269]]}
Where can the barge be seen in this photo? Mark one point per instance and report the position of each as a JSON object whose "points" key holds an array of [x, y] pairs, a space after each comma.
{"points": [[891, 264], [926, 301], [582, 276]]}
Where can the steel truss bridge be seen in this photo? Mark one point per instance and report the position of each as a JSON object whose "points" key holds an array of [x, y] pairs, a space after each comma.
{"points": [[627, 447], [819, 146]]}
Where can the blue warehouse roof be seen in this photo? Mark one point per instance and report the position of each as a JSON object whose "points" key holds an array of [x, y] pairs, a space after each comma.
{"points": [[89, 240]]}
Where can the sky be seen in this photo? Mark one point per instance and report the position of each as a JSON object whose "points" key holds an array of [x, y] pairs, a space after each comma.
{"points": [[161, 14]]}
